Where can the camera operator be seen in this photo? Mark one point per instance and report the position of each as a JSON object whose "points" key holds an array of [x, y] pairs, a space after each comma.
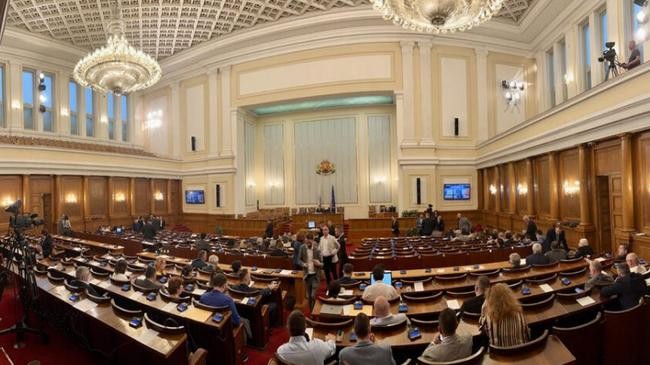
{"points": [[635, 57], [46, 243]]}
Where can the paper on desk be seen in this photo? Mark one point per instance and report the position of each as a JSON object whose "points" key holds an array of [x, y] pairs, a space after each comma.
{"points": [[148, 335], [104, 284], [135, 295], [346, 292], [198, 314], [244, 300], [546, 288], [169, 307], [453, 304], [585, 301], [198, 291], [522, 262], [310, 332], [418, 286], [440, 270], [348, 310], [95, 281], [599, 259], [85, 305], [285, 272]]}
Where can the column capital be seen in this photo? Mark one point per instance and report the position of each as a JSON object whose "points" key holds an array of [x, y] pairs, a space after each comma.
{"points": [[481, 52], [407, 45], [425, 46]]}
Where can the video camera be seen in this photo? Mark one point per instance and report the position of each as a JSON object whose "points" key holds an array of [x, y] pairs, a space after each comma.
{"points": [[19, 221], [609, 54]]}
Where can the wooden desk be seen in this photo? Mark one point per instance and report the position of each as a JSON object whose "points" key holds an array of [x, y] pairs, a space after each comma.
{"points": [[70, 243]]}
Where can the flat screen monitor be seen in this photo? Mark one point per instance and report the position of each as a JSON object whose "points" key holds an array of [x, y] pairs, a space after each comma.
{"points": [[194, 197], [388, 278], [311, 224], [456, 192], [118, 230]]}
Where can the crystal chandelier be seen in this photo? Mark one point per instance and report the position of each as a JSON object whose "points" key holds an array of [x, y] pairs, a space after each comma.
{"points": [[438, 16], [117, 67]]}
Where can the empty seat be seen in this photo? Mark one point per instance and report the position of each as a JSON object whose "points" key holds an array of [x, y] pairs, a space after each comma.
{"points": [[624, 330], [585, 352]]}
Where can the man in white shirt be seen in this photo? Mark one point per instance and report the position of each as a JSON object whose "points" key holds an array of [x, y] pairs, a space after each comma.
{"points": [[329, 248], [383, 316], [310, 261], [301, 350], [372, 292], [633, 262]]}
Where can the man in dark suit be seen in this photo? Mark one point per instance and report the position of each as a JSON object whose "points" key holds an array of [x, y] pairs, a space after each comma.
{"points": [[148, 231], [394, 226], [531, 227], [202, 243], [149, 281], [584, 250], [629, 287], [555, 233], [268, 232], [266, 293], [346, 278], [427, 225], [537, 257], [474, 305], [339, 234], [200, 261]]}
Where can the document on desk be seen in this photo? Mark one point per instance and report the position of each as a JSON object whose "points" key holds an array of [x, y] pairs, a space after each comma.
{"points": [[95, 281], [85, 305], [546, 288], [331, 309], [285, 272], [104, 284], [349, 311], [440, 270], [169, 307], [522, 262], [147, 336], [198, 291], [198, 314], [453, 304], [599, 259], [585, 301], [418, 286], [346, 292], [135, 295]]}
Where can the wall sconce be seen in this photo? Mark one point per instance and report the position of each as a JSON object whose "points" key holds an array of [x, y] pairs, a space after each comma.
{"points": [[16, 104], [251, 184], [274, 184], [7, 201], [493, 189], [158, 196], [103, 119], [64, 112], [70, 198], [380, 179], [568, 78], [154, 119], [119, 197], [522, 189], [571, 189], [512, 92]]}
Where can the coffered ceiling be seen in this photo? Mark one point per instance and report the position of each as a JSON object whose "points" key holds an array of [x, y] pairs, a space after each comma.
{"points": [[165, 27]]}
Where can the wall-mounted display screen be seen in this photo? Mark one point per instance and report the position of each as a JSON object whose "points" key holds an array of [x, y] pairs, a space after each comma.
{"points": [[194, 197], [456, 192]]}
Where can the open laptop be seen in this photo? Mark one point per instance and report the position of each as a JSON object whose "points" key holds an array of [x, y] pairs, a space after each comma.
{"points": [[388, 278]]}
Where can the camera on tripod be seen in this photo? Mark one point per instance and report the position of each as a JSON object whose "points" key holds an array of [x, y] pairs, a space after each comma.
{"points": [[609, 54], [19, 221]]}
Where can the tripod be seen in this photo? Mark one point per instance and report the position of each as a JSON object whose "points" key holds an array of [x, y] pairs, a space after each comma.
{"points": [[612, 68], [26, 288]]}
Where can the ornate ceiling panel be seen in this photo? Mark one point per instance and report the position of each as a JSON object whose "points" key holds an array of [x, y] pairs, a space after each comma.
{"points": [[164, 27]]}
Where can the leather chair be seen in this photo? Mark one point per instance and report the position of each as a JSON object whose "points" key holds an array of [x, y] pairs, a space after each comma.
{"points": [[474, 359], [586, 352], [623, 332], [537, 343]]}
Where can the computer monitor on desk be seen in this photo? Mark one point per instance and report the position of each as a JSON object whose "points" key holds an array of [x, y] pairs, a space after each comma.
{"points": [[311, 224], [388, 278]]}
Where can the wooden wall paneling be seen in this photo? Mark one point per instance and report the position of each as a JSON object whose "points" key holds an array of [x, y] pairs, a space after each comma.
{"points": [[530, 194], [159, 202], [489, 175], [541, 186], [512, 188], [480, 190], [521, 180], [627, 183], [616, 209], [141, 197], [26, 194], [643, 183], [497, 185], [503, 188], [608, 157], [120, 197], [38, 187], [11, 187], [71, 197], [553, 175], [569, 204]]}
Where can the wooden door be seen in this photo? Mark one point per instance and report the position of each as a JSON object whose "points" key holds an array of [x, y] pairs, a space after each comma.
{"points": [[615, 207], [604, 214], [46, 204]]}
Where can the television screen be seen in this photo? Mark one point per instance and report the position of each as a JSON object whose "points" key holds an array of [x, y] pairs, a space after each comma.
{"points": [[194, 197], [388, 278], [456, 192], [311, 224]]}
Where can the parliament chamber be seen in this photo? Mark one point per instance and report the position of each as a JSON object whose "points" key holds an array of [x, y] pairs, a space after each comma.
{"points": [[324, 182]]}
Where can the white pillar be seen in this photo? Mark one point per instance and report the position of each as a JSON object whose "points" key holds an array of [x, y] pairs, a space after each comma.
{"points": [[483, 92], [213, 113], [240, 161], [62, 103], [81, 117], [426, 101], [558, 76], [175, 120], [399, 122], [571, 42], [14, 97], [408, 120], [117, 128], [597, 68], [226, 114], [101, 117]]}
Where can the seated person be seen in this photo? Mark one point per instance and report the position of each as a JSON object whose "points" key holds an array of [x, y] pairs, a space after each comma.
{"points": [[474, 304], [175, 287], [379, 288], [584, 250], [82, 280], [556, 253], [347, 275], [515, 260], [448, 345], [537, 257], [366, 351], [383, 317], [199, 261], [244, 286], [213, 264], [597, 278], [188, 274], [334, 289], [629, 286], [502, 318], [235, 266], [621, 254], [217, 297], [149, 281], [119, 272], [632, 261], [302, 350], [202, 243], [160, 264]]}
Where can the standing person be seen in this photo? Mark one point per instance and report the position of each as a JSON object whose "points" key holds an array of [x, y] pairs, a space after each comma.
{"points": [[46, 243], [438, 223], [394, 226], [268, 232], [556, 233], [310, 261], [343, 253], [464, 225], [64, 226], [418, 224], [329, 248], [427, 225], [531, 227], [297, 245], [429, 209]]}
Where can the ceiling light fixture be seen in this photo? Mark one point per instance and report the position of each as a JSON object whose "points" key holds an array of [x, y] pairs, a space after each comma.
{"points": [[438, 16], [117, 67]]}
